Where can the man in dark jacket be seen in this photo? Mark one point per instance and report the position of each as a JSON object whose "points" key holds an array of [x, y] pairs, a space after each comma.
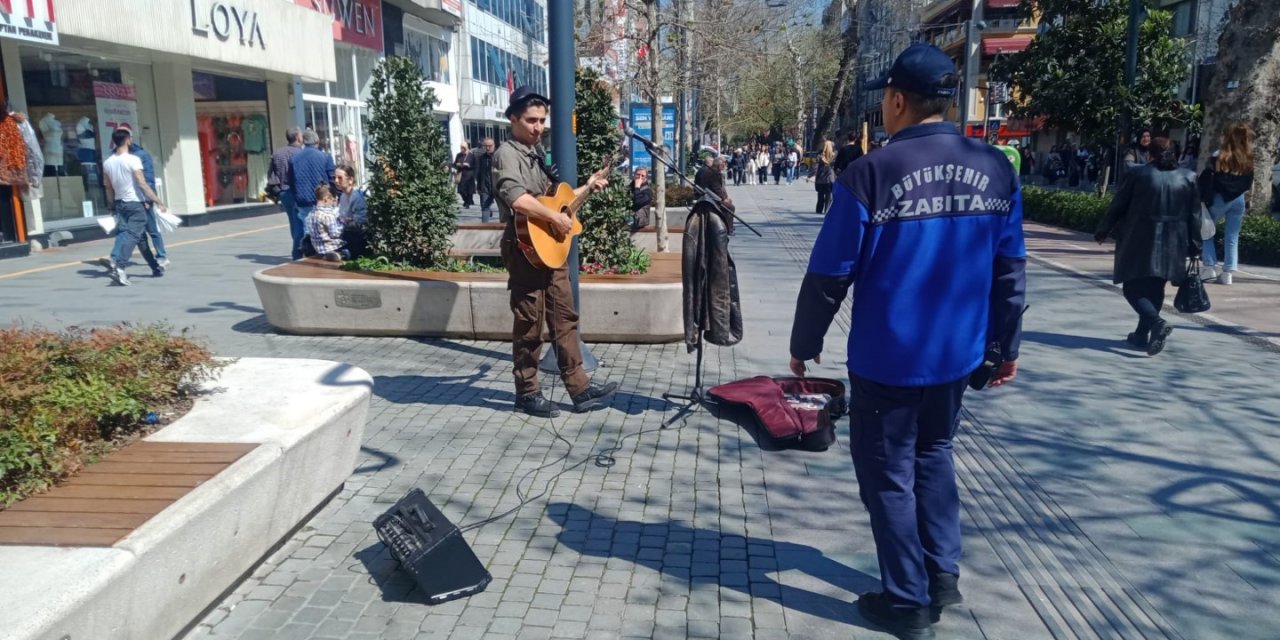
{"points": [[482, 160], [928, 230], [847, 154], [280, 182], [309, 168]]}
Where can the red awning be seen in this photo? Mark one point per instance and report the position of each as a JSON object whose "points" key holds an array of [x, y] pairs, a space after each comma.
{"points": [[1003, 4], [1005, 44]]}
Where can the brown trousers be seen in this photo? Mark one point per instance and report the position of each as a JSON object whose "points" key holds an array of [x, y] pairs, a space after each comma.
{"points": [[542, 297]]}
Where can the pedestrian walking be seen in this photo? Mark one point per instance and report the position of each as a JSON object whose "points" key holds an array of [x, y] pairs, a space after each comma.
{"points": [[928, 232], [126, 187], [848, 153], [280, 186], [1140, 152], [793, 162], [1223, 185], [483, 163], [824, 176], [152, 237], [466, 176], [1156, 219], [778, 160], [753, 167], [762, 166], [309, 168]]}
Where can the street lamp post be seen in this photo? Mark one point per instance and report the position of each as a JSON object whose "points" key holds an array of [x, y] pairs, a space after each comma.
{"points": [[564, 147]]}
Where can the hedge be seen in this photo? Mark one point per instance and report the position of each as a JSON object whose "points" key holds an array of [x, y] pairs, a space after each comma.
{"points": [[1259, 235], [67, 397]]}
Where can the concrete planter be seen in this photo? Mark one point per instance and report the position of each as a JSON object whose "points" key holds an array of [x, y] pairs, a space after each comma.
{"points": [[312, 297], [307, 416]]}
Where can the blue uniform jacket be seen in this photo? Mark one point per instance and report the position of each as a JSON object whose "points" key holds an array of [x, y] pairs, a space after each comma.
{"points": [[928, 231], [311, 168]]}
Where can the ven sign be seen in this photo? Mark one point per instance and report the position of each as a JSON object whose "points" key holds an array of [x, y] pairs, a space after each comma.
{"points": [[226, 21]]}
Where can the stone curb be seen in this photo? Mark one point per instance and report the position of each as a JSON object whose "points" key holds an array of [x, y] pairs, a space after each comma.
{"points": [[308, 417], [636, 313]]}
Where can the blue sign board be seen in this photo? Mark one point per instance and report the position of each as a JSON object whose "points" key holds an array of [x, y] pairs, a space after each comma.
{"points": [[643, 124]]}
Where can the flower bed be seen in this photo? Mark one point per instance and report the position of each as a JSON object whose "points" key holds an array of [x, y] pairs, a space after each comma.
{"points": [[67, 397]]}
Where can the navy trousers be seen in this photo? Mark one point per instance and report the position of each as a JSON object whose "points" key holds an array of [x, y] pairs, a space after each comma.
{"points": [[900, 438]]}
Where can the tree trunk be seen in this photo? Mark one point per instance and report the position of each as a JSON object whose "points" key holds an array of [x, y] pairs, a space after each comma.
{"points": [[655, 117], [1246, 88], [848, 56], [797, 89]]}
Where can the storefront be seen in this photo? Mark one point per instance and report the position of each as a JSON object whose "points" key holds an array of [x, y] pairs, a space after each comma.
{"points": [[21, 164], [336, 110], [208, 97]]}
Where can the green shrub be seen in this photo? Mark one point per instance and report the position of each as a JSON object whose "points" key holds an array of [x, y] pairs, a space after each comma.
{"points": [[1070, 209], [606, 216], [412, 208], [65, 396], [1259, 236], [680, 196]]}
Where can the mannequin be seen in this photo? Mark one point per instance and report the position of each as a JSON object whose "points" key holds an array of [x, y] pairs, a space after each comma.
{"points": [[51, 130], [88, 151]]}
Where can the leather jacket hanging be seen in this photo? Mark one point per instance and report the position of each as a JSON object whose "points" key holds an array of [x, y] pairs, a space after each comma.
{"points": [[712, 308]]}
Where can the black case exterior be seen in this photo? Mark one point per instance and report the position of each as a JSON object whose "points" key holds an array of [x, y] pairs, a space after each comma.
{"points": [[431, 549]]}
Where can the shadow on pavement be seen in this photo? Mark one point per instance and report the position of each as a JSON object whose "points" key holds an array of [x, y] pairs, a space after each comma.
{"points": [[384, 461], [1068, 341], [258, 258], [225, 306], [710, 557]]}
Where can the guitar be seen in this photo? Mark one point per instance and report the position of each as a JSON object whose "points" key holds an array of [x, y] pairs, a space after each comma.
{"points": [[543, 245]]}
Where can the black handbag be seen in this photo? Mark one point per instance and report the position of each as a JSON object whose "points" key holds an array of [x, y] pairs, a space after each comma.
{"points": [[1192, 297]]}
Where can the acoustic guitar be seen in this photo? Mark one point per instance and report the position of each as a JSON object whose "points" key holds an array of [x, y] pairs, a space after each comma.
{"points": [[542, 244]]}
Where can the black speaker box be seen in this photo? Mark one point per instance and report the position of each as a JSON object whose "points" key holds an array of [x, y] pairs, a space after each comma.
{"points": [[431, 549]]}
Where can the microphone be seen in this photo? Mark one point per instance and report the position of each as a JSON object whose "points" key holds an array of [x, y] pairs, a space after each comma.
{"points": [[649, 144]]}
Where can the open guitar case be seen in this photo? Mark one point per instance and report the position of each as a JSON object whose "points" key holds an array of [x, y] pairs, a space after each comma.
{"points": [[788, 412]]}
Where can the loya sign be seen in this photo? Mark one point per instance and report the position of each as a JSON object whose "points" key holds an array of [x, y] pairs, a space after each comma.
{"points": [[226, 21], [357, 22]]}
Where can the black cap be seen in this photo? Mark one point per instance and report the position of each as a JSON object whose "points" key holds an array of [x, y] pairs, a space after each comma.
{"points": [[921, 69], [522, 95]]}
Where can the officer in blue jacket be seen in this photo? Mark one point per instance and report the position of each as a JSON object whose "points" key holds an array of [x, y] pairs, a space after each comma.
{"points": [[928, 231]]}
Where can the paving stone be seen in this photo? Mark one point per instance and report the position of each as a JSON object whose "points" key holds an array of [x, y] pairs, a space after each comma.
{"points": [[698, 511]]}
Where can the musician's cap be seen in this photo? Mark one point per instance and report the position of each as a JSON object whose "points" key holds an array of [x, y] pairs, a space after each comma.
{"points": [[922, 69], [521, 96]]}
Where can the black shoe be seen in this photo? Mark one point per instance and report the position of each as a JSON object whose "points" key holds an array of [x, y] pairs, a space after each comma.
{"points": [[910, 623], [944, 591], [157, 272], [1137, 340], [594, 397], [536, 405], [1159, 334]]}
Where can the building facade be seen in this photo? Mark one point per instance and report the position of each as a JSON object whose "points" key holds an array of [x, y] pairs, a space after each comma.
{"points": [[505, 44], [206, 96], [975, 33]]}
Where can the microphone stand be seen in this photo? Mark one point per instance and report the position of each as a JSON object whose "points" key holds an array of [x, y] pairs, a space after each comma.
{"points": [[695, 398], [704, 195]]}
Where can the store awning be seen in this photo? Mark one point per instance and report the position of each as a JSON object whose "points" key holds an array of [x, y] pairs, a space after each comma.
{"points": [[1003, 4], [1005, 44], [31, 20]]}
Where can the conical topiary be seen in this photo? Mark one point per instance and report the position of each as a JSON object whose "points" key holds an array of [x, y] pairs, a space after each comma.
{"points": [[412, 208], [606, 217]]}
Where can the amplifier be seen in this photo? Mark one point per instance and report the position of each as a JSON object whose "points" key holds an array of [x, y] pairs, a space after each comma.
{"points": [[431, 549]]}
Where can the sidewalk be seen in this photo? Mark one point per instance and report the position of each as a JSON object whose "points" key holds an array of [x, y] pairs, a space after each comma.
{"points": [[1106, 494], [1250, 306]]}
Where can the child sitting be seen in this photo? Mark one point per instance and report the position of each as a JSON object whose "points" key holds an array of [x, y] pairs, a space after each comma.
{"points": [[325, 228]]}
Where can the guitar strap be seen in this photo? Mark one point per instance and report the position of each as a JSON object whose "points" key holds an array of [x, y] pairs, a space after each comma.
{"points": [[539, 158]]}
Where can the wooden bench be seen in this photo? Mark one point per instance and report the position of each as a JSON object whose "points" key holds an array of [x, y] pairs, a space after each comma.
{"points": [[111, 498]]}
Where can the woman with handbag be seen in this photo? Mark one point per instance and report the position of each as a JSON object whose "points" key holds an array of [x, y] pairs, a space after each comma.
{"points": [[1155, 217], [1223, 185]]}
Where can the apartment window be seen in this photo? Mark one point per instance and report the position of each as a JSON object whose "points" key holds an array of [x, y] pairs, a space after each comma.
{"points": [[528, 16]]}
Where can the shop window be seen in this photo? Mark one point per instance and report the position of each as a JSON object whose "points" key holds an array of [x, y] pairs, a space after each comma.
{"points": [[234, 137], [430, 53], [70, 127]]}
